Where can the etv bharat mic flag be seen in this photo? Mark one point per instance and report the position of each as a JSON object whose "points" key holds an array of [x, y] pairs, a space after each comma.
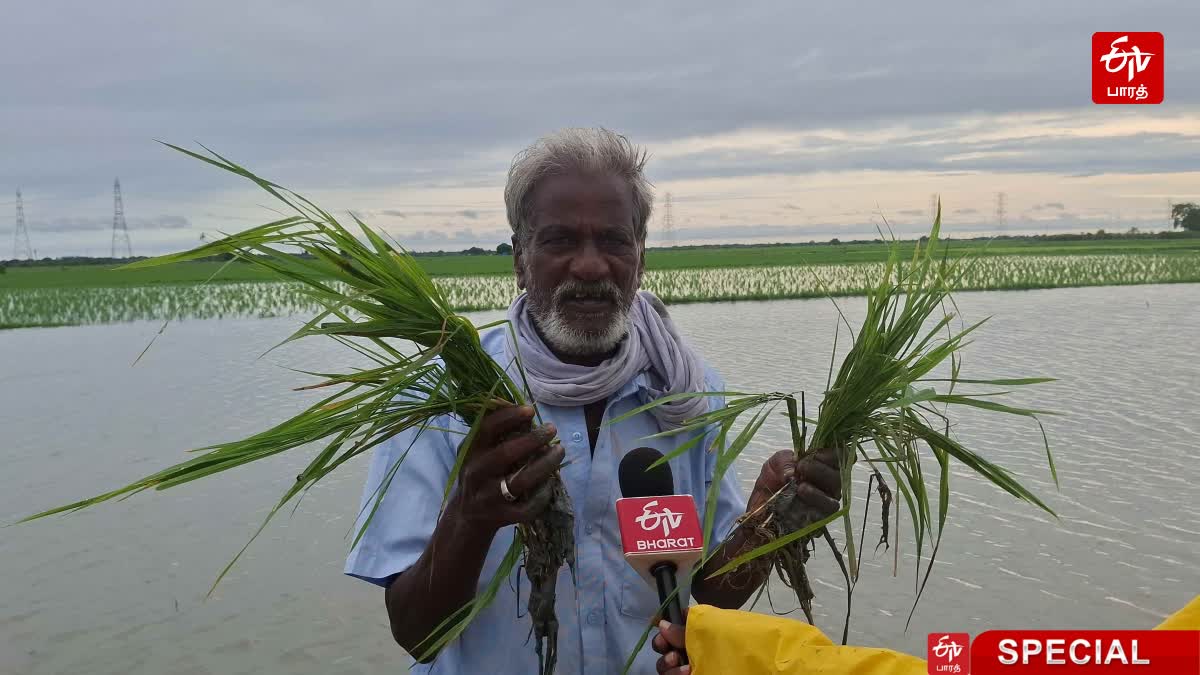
{"points": [[660, 528]]}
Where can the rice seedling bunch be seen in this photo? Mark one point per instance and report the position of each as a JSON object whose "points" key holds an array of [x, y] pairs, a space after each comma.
{"points": [[372, 293], [882, 407]]}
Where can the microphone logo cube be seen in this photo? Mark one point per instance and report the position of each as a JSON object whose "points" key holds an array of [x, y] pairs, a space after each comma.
{"points": [[661, 524], [650, 519]]}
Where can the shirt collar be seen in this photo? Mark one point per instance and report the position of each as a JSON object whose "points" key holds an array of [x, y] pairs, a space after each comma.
{"points": [[637, 384]]}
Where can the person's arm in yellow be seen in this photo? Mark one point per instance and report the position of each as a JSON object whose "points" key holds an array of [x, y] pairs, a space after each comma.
{"points": [[1187, 618], [732, 642]]}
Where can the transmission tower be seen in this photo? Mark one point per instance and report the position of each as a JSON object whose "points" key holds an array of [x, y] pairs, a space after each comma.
{"points": [[1001, 211], [1170, 215], [668, 222], [120, 234], [21, 236]]}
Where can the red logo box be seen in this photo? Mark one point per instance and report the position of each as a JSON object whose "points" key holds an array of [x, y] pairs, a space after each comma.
{"points": [[948, 653], [659, 524], [656, 529], [1127, 68], [1105, 652]]}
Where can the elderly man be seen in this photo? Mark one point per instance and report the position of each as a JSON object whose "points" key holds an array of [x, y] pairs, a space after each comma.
{"points": [[594, 347]]}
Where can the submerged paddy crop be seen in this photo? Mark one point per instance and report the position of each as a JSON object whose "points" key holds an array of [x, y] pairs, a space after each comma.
{"points": [[67, 306]]}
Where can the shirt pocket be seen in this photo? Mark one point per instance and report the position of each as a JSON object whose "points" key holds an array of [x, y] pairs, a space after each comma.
{"points": [[638, 598]]}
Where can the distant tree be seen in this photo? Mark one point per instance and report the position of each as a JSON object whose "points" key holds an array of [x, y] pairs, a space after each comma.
{"points": [[475, 250], [835, 240], [504, 249], [1186, 216]]}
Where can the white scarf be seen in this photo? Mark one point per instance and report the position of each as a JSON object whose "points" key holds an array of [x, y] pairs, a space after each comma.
{"points": [[652, 344]]}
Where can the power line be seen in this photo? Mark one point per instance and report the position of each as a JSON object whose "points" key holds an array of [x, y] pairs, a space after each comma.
{"points": [[120, 230], [21, 235], [668, 221]]}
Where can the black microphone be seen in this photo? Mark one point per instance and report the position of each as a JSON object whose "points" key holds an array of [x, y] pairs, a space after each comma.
{"points": [[638, 480]]}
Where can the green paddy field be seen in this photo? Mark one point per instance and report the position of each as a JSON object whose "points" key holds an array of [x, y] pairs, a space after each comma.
{"points": [[52, 295]]}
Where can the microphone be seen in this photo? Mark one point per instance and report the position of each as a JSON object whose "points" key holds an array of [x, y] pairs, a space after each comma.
{"points": [[660, 531]]}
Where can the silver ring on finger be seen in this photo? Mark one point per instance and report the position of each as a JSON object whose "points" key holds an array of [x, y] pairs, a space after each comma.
{"points": [[508, 496]]}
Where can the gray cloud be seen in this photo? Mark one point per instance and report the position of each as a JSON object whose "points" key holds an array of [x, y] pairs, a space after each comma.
{"points": [[763, 233], [965, 212], [469, 214], [1140, 153], [911, 212], [461, 237], [102, 223], [209, 215], [325, 109], [436, 95], [1057, 206]]}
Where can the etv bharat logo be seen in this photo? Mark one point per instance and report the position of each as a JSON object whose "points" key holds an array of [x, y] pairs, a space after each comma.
{"points": [[948, 654], [1127, 68], [650, 520]]}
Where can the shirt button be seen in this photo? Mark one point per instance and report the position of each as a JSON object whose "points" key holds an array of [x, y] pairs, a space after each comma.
{"points": [[593, 617], [577, 437]]}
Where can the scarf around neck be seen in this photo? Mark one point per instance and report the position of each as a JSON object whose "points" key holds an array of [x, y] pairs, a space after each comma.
{"points": [[652, 344]]}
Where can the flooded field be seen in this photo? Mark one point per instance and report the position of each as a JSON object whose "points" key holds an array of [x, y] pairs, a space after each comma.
{"points": [[119, 589], [74, 306]]}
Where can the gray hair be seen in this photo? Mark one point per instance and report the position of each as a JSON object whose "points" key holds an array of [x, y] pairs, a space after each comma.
{"points": [[590, 150]]}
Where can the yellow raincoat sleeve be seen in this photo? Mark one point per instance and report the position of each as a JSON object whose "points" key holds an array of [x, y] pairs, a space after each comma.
{"points": [[730, 642], [1187, 618]]}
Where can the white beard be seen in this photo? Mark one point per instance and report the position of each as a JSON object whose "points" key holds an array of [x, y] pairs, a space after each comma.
{"points": [[561, 336]]}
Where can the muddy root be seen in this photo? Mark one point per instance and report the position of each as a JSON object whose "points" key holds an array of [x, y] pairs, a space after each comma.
{"points": [[781, 516], [549, 542]]}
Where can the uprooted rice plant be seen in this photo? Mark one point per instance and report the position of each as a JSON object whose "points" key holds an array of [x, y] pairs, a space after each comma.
{"points": [[66, 306], [428, 363], [885, 407]]}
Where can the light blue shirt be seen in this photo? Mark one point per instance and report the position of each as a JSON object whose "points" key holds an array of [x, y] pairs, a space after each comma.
{"points": [[601, 615]]}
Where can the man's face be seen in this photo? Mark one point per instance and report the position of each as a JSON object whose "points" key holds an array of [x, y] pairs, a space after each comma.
{"points": [[582, 263]]}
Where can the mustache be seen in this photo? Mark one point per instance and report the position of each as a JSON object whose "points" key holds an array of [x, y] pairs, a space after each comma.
{"points": [[603, 290]]}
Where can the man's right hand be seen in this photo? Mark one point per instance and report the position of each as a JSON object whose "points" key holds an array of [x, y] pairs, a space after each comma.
{"points": [[504, 443], [446, 576]]}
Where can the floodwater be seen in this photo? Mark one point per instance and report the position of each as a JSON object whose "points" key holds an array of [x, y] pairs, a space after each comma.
{"points": [[120, 588]]}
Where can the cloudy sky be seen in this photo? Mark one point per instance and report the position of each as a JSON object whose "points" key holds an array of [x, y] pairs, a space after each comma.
{"points": [[779, 121]]}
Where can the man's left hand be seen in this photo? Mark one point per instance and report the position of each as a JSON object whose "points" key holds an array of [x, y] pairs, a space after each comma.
{"points": [[818, 490], [818, 481]]}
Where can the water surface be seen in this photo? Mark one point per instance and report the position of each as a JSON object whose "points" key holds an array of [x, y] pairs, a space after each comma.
{"points": [[120, 588]]}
